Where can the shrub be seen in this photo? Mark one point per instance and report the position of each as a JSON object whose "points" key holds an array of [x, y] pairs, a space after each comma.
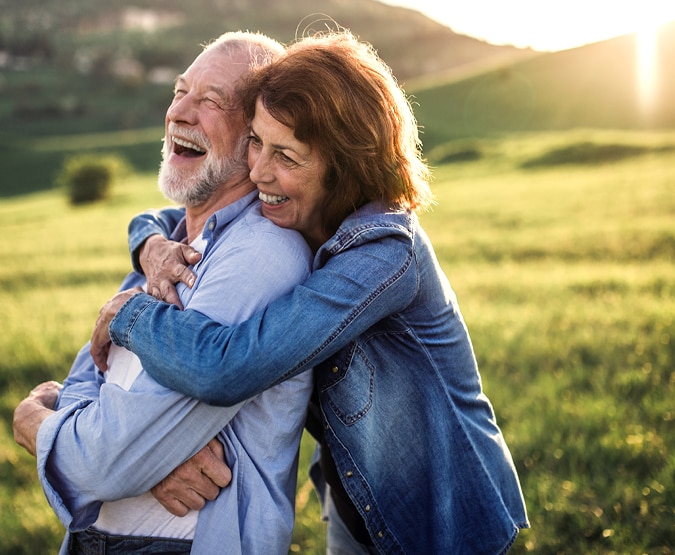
{"points": [[587, 152], [455, 151], [88, 178]]}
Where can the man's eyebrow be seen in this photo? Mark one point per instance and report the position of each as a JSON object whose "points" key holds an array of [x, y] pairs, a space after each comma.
{"points": [[220, 91]]}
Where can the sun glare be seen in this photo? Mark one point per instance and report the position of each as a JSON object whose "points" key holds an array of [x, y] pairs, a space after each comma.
{"points": [[647, 68]]}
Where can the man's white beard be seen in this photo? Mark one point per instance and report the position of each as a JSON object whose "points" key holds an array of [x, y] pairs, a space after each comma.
{"points": [[194, 189]]}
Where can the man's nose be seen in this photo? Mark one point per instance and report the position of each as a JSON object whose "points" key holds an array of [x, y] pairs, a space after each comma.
{"points": [[183, 110]]}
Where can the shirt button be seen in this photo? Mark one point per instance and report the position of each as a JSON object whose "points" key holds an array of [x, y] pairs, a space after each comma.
{"points": [[212, 224], [335, 369]]}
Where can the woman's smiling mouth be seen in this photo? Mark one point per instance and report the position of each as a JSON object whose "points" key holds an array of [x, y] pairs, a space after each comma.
{"points": [[272, 199]]}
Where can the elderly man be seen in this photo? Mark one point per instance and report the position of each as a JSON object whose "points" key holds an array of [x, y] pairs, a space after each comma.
{"points": [[112, 439]]}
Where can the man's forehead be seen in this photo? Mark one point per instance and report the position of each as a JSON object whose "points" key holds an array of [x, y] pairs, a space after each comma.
{"points": [[219, 67], [213, 76]]}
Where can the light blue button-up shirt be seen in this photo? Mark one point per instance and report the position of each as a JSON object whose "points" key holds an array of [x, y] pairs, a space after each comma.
{"points": [[105, 443]]}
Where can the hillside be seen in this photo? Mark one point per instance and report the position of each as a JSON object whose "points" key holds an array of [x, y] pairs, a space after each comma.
{"points": [[97, 77], [594, 86], [159, 32], [83, 67]]}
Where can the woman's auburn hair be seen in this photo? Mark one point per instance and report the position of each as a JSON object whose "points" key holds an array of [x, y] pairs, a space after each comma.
{"points": [[339, 97]]}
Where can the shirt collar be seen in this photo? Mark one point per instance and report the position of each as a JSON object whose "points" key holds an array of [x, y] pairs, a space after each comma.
{"points": [[218, 220]]}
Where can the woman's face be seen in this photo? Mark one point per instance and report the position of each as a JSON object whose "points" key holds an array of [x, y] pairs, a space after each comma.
{"points": [[289, 175]]}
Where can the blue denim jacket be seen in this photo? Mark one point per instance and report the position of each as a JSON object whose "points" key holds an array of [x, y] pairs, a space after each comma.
{"points": [[412, 434]]}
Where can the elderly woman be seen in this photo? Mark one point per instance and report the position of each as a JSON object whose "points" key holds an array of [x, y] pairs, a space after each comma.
{"points": [[409, 447]]}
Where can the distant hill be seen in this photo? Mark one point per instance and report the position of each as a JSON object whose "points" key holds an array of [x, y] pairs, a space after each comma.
{"points": [[410, 42], [594, 86], [77, 66], [82, 67]]}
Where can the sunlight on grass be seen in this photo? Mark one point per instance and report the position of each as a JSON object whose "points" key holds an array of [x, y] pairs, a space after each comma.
{"points": [[565, 278]]}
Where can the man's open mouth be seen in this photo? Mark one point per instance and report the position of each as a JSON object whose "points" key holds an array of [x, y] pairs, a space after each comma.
{"points": [[181, 147]]}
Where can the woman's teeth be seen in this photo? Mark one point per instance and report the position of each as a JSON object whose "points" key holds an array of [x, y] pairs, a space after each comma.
{"points": [[271, 199]]}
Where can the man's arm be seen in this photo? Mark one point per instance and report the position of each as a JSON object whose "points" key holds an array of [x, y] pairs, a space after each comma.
{"points": [[119, 446], [186, 488]]}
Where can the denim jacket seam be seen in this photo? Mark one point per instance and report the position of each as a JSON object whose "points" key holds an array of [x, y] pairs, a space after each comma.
{"points": [[347, 237], [512, 540]]}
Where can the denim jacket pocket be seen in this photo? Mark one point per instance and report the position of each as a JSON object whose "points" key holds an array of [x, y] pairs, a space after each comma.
{"points": [[345, 383]]}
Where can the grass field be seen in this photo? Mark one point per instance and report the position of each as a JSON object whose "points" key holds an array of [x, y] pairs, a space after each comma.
{"points": [[565, 273]]}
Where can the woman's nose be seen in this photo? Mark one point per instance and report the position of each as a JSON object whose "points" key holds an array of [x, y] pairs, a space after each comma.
{"points": [[259, 167]]}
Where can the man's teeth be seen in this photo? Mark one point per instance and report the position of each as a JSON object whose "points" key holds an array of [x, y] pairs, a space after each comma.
{"points": [[188, 144], [271, 199]]}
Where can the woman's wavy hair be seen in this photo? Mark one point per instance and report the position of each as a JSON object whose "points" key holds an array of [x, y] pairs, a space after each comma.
{"points": [[340, 98]]}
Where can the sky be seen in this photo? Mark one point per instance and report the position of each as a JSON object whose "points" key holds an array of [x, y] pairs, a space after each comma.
{"points": [[545, 25]]}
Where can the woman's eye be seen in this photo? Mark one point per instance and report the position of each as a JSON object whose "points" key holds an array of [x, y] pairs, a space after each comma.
{"points": [[286, 159]]}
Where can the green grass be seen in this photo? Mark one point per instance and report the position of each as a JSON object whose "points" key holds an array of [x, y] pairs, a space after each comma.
{"points": [[566, 280]]}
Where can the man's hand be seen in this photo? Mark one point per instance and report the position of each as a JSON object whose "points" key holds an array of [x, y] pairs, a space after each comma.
{"points": [[194, 482], [31, 412], [100, 337], [165, 263]]}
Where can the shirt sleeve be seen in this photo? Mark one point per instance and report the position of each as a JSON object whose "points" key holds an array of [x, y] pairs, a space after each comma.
{"points": [[351, 292], [119, 445], [152, 222], [84, 379]]}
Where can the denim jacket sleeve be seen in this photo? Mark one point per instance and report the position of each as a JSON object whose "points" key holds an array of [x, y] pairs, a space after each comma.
{"points": [[152, 222], [353, 290]]}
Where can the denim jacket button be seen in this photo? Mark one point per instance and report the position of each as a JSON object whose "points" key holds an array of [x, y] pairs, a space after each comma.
{"points": [[367, 508], [335, 369], [349, 474], [380, 534]]}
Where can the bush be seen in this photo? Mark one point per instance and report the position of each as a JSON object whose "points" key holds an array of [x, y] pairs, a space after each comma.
{"points": [[455, 151], [587, 152], [88, 178]]}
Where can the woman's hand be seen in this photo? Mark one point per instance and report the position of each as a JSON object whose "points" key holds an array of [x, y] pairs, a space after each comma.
{"points": [[100, 338], [165, 263]]}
